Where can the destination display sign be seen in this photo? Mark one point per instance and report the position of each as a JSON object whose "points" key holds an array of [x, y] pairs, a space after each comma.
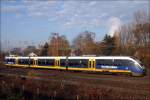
{"points": [[109, 67]]}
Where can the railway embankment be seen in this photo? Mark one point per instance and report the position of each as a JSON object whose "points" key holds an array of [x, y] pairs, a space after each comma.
{"points": [[37, 84]]}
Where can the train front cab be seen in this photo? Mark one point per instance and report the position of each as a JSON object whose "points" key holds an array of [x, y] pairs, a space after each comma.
{"points": [[137, 68], [111, 65]]}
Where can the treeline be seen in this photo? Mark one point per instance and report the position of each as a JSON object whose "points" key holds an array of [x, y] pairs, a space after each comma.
{"points": [[83, 44], [132, 39]]}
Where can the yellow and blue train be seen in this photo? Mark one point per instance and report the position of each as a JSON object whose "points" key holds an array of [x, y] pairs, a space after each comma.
{"points": [[112, 64]]}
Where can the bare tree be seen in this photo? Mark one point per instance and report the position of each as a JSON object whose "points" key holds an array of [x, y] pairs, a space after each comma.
{"points": [[141, 28], [29, 49], [84, 44], [136, 34], [58, 45]]}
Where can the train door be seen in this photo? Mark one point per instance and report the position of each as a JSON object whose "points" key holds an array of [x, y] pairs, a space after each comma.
{"points": [[91, 64], [16, 62], [57, 62], [34, 62]]}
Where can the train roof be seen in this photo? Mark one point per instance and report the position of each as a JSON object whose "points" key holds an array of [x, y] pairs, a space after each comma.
{"points": [[73, 57], [40, 57]]}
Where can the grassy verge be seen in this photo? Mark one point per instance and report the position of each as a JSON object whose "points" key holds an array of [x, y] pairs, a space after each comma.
{"points": [[16, 88]]}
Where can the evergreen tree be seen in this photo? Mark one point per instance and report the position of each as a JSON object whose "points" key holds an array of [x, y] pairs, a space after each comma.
{"points": [[109, 45], [45, 50]]}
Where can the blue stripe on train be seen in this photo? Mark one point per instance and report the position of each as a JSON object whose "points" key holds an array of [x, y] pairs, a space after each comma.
{"points": [[131, 68], [112, 67]]}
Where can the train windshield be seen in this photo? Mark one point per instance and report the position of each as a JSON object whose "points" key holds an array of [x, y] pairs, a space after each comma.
{"points": [[139, 63]]}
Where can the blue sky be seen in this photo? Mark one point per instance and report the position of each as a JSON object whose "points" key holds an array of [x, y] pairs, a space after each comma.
{"points": [[26, 22]]}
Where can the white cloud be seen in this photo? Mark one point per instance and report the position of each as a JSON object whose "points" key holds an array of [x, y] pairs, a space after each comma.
{"points": [[114, 24], [77, 13], [92, 3], [11, 9]]}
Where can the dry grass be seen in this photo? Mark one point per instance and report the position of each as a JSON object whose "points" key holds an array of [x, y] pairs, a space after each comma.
{"points": [[16, 88]]}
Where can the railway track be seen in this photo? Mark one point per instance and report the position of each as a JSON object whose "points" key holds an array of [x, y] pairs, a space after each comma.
{"points": [[126, 84], [14, 71], [75, 75]]}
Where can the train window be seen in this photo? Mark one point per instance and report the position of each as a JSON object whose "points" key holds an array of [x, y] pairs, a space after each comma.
{"points": [[20, 61], [10, 61], [119, 62], [41, 61], [25, 61], [79, 63], [31, 61], [127, 63], [50, 62], [46, 62], [84, 63], [123, 62], [63, 62], [104, 62], [73, 62]]}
